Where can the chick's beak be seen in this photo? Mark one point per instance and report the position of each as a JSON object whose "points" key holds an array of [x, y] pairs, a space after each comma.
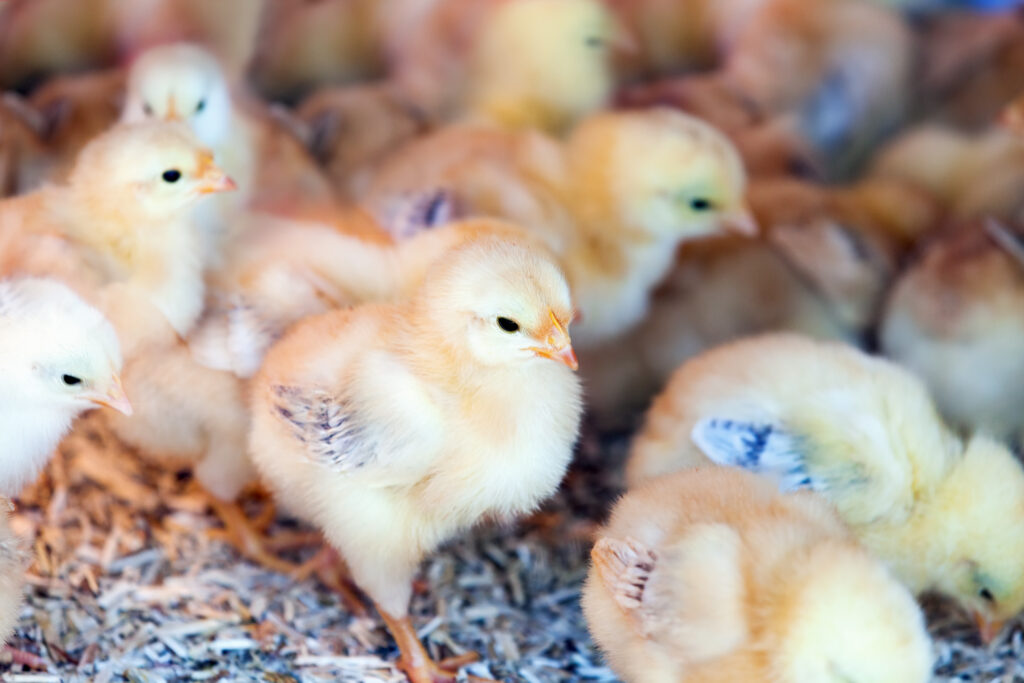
{"points": [[988, 629], [212, 178], [114, 398], [740, 221], [172, 110], [558, 346]]}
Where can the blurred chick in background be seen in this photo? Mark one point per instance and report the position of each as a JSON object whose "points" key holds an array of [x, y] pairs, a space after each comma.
{"points": [[613, 223], [944, 514], [972, 174], [712, 576], [371, 422], [24, 157], [956, 318], [59, 357], [822, 266]]}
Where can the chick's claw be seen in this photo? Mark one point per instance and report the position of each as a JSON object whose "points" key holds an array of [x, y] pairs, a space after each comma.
{"points": [[416, 662]]}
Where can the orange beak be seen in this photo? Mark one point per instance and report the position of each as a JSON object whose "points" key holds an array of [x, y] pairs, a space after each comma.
{"points": [[741, 221], [114, 398], [1012, 117], [558, 345], [212, 178], [172, 110], [987, 629]]}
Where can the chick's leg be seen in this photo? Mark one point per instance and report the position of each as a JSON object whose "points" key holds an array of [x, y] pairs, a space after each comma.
{"points": [[415, 661]]}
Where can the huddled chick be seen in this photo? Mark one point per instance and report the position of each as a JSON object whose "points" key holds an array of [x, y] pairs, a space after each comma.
{"points": [[712, 576], [613, 224], [945, 514]]}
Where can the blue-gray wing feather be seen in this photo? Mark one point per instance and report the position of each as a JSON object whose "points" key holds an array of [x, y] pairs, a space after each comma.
{"points": [[328, 426]]}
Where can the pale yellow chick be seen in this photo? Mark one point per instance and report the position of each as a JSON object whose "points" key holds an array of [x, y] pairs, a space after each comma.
{"points": [[712, 575], [956, 318], [944, 514], [395, 427], [456, 61], [613, 223]]}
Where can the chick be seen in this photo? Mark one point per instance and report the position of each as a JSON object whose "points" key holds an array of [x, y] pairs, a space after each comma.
{"points": [[389, 475], [59, 357], [454, 63], [955, 318], [122, 218], [614, 224], [822, 267], [271, 168], [945, 515], [711, 575], [13, 564]]}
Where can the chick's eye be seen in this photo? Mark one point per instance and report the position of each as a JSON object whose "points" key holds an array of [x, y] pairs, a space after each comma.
{"points": [[71, 380], [986, 595], [594, 41], [508, 325], [171, 175], [147, 110], [701, 204], [200, 106]]}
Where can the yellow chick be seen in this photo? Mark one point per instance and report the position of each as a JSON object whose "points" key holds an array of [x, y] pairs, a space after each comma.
{"points": [[956, 318], [614, 223], [395, 427], [712, 575], [270, 166], [455, 62], [945, 515]]}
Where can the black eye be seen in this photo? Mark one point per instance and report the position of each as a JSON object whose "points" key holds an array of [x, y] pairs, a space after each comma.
{"points": [[172, 175], [71, 380], [147, 110], [701, 204], [508, 324], [986, 595], [593, 41], [201, 106]]}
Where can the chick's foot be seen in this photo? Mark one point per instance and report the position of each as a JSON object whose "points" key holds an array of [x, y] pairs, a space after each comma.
{"points": [[416, 662]]}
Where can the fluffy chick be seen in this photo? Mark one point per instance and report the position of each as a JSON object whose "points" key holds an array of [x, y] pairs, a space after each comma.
{"points": [[614, 224], [371, 422], [270, 166], [943, 514], [455, 62], [59, 357], [822, 266], [711, 575], [956, 318]]}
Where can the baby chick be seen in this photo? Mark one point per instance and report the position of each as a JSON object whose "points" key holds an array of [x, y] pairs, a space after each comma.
{"points": [[59, 357], [613, 223], [956, 318], [24, 157], [395, 427], [271, 167], [454, 62], [943, 514], [712, 575]]}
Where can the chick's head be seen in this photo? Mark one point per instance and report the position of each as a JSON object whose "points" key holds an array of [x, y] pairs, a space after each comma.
{"points": [[149, 169], [544, 63], [980, 509], [58, 352], [180, 82], [842, 618], [502, 300], [659, 174]]}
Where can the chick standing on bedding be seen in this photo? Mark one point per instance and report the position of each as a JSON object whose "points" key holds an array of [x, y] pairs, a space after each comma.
{"points": [[944, 514], [59, 357], [613, 201], [395, 427], [956, 318], [713, 576]]}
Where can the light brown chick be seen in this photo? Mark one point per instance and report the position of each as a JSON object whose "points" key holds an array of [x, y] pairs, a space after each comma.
{"points": [[711, 575], [956, 318]]}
